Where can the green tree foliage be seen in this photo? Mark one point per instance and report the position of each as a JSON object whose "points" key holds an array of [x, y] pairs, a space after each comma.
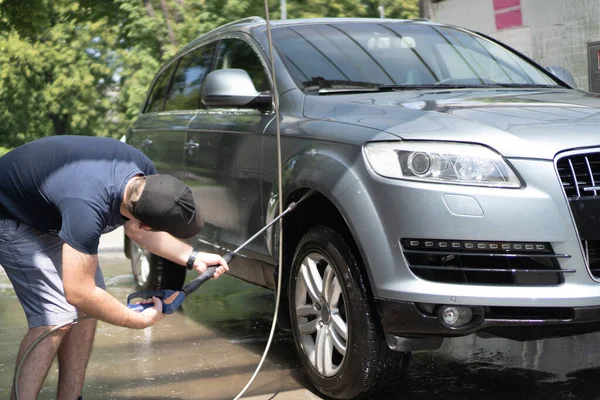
{"points": [[29, 17], [56, 80], [325, 8], [84, 66]]}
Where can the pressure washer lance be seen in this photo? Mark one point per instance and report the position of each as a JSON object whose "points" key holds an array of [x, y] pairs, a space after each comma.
{"points": [[172, 299]]}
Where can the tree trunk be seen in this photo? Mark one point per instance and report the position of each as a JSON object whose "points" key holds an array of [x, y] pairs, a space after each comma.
{"points": [[149, 9], [179, 11], [165, 10]]}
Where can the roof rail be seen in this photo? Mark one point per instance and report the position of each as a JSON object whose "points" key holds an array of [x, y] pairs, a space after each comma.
{"points": [[421, 19], [193, 43], [244, 20]]}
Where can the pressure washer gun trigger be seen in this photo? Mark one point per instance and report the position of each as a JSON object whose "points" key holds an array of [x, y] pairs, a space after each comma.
{"points": [[171, 300]]}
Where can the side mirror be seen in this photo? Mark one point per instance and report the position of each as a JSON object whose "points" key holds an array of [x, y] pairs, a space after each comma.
{"points": [[232, 88], [564, 75]]}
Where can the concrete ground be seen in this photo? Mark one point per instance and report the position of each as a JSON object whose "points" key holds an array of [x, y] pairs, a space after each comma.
{"points": [[211, 348]]}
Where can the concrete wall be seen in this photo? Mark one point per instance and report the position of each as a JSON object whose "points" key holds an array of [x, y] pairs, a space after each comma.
{"points": [[553, 32], [473, 14]]}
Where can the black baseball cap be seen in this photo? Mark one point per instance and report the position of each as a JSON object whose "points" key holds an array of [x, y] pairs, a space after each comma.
{"points": [[167, 204]]}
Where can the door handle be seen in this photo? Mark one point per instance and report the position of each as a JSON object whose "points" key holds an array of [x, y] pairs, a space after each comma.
{"points": [[191, 145]]}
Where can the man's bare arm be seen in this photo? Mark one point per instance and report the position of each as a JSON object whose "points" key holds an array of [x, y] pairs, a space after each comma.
{"points": [[79, 271], [164, 245]]}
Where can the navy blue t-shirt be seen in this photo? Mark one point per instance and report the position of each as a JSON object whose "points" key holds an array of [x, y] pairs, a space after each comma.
{"points": [[70, 185]]}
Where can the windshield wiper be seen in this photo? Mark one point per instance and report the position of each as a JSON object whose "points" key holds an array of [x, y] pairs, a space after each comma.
{"points": [[523, 85], [391, 88], [373, 89], [320, 83], [429, 86], [333, 86]]}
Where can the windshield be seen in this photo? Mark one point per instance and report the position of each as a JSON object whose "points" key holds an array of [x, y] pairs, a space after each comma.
{"points": [[371, 56]]}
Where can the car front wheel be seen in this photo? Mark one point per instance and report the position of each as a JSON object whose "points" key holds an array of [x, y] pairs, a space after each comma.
{"points": [[341, 348], [151, 272]]}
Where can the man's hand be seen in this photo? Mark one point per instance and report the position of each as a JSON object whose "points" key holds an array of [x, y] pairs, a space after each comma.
{"points": [[153, 314], [205, 260]]}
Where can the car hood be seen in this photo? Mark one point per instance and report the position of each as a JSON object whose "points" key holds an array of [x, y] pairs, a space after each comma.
{"points": [[517, 123]]}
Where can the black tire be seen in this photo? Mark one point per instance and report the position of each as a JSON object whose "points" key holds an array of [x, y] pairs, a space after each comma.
{"points": [[157, 272], [365, 367]]}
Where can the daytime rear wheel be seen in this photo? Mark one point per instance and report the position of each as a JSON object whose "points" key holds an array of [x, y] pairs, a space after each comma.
{"points": [[151, 272], [340, 346]]}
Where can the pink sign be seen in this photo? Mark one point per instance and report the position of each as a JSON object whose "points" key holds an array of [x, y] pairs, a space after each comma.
{"points": [[509, 19], [502, 4]]}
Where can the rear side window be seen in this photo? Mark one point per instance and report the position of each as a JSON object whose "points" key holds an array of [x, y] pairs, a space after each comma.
{"points": [[185, 89], [157, 97], [237, 54]]}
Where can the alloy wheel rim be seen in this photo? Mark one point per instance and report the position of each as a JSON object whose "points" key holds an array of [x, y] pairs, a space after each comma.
{"points": [[321, 314], [140, 264]]}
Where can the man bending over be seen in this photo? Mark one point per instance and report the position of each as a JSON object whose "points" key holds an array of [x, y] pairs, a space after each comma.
{"points": [[57, 196]]}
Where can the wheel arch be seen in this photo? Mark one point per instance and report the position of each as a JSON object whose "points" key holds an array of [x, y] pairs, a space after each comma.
{"points": [[331, 170], [327, 169], [316, 209]]}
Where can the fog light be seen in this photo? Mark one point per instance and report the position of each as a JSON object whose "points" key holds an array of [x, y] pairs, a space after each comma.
{"points": [[455, 316]]}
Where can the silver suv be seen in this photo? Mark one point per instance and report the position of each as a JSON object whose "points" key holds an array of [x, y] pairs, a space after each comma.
{"points": [[456, 186]]}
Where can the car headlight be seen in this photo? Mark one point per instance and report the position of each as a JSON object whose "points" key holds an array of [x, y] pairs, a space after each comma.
{"points": [[441, 162]]}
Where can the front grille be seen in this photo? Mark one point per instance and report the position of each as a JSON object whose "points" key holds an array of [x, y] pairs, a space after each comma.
{"points": [[484, 262], [579, 174], [580, 178]]}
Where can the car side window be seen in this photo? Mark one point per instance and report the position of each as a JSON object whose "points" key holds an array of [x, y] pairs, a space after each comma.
{"points": [[237, 54], [184, 93], [157, 97]]}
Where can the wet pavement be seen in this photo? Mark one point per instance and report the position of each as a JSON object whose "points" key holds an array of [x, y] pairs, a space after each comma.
{"points": [[211, 348]]}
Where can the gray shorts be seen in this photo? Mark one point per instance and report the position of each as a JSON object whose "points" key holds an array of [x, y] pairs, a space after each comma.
{"points": [[33, 263]]}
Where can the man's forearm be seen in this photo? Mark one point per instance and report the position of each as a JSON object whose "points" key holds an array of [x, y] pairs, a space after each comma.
{"points": [[164, 245], [81, 291], [102, 306]]}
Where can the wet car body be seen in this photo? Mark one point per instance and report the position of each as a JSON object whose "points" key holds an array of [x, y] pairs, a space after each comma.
{"points": [[382, 255]]}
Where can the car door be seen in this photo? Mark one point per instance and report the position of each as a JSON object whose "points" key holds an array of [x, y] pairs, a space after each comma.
{"points": [[225, 166], [160, 130], [198, 63]]}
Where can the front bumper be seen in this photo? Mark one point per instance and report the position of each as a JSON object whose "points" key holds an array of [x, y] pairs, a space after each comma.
{"points": [[394, 210], [412, 320]]}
